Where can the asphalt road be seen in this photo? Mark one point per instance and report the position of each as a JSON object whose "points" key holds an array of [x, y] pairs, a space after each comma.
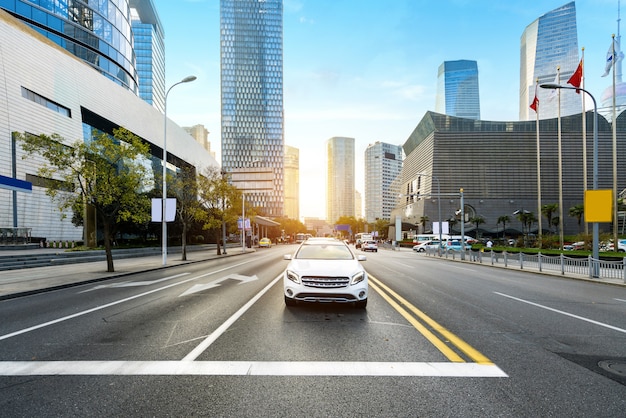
{"points": [[214, 338]]}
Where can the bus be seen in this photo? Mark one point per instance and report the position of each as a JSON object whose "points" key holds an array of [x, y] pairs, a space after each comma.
{"points": [[361, 237], [301, 237]]}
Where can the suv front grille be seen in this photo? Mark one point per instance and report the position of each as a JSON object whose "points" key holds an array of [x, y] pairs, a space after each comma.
{"points": [[325, 281]]}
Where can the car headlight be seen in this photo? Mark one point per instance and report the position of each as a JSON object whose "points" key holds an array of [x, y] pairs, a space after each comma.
{"points": [[359, 277], [292, 276]]}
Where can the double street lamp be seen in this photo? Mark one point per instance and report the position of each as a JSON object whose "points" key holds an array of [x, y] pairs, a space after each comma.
{"points": [[164, 192], [595, 227]]}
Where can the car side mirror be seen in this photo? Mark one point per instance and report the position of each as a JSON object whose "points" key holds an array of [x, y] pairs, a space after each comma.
{"points": [[287, 257], [361, 257]]}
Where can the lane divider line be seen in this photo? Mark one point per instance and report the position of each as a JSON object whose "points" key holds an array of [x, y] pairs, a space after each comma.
{"points": [[200, 348], [582, 318], [441, 346], [468, 350]]}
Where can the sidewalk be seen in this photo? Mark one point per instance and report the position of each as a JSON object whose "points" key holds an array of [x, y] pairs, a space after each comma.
{"points": [[15, 283]]}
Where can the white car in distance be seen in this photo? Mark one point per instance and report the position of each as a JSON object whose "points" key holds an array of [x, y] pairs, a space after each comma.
{"points": [[325, 271]]}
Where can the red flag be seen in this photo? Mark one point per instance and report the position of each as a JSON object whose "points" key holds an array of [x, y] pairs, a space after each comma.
{"points": [[535, 104], [576, 78]]}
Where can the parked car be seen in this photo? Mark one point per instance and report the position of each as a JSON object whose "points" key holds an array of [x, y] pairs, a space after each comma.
{"points": [[370, 246], [426, 245], [325, 271], [265, 242], [455, 246]]}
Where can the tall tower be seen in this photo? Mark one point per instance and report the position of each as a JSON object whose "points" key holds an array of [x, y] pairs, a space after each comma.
{"points": [[549, 42], [383, 164], [251, 38], [292, 182], [98, 33], [340, 178], [457, 89], [149, 39]]}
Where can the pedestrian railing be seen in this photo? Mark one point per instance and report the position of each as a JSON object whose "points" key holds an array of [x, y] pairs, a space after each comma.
{"points": [[593, 268]]}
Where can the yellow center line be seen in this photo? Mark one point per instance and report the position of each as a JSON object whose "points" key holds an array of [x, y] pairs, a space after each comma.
{"points": [[471, 352], [445, 350]]}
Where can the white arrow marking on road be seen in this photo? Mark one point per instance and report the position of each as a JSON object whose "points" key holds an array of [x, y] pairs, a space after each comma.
{"points": [[134, 284], [215, 283]]}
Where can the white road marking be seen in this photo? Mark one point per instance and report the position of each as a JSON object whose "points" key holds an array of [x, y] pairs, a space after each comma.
{"points": [[133, 284], [222, 328], [117, 302], [620, 300], [215, 283], [246, 368], [582, 318]]}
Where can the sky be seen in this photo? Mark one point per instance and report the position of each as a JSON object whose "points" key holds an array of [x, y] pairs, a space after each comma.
{"points": [[368, 69]]}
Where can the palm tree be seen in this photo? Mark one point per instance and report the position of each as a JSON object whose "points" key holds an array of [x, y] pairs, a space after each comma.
{"points": [[504, 219], [548, 210], [577, 211], [423, 221], [477, 220]]}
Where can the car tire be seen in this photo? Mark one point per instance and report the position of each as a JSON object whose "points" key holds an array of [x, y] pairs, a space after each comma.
{"points": [[290, 301], [361, 304], [421, 250]]}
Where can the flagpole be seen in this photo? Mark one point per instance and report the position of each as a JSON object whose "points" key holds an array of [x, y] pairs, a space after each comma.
{"points": [[558, 72], [614, 123], [582, 96], [540, 232]]}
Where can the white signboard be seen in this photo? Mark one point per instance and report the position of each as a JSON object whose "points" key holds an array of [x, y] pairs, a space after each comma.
{"points": [[157, 210]]}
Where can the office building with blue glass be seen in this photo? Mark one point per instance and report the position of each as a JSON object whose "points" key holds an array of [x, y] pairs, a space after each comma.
{"points": [[457, 89], [252, 100], [549, 42]]}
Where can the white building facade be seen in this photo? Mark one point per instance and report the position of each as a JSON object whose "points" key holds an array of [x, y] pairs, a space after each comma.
{"points": [[46, 90]]}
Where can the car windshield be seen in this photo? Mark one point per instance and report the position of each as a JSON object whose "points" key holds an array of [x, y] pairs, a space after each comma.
{"points": [[324, 252]]}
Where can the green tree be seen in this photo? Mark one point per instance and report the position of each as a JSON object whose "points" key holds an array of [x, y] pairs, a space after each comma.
{"points": [[423, 222], [504, 219], [108, 173], [184, 187], [219, 202], [577, 211], [477, 220], [382, 226], [548, 211]]}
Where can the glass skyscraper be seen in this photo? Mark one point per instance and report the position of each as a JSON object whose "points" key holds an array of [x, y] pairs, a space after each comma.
{"points": [[252, 100], [340, 178], [383, 165], [149, 42], [549, 42], [98, 32], [457, 89]]}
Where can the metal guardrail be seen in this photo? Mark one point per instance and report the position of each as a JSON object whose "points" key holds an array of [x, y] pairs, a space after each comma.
{"points": [[593, 268]]}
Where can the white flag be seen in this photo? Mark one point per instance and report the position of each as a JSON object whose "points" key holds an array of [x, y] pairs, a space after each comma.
{"points": [[610, 58]]}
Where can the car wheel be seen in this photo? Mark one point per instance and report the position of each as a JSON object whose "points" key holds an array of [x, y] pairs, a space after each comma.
{"points": [[361, 304], [290, 302], [421, 250]]}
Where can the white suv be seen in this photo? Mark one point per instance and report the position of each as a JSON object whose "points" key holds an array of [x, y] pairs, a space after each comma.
{"points": [[325, 271], [370, 246]]}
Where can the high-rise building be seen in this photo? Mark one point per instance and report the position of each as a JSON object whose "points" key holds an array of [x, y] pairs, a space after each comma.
{"points": [[98, 32], [383, 164], [606, 100], [201, 135], [457, 89], [549, 42], [251, 38], [149, 40], [340, 178], [292, 182], [358, 205]]}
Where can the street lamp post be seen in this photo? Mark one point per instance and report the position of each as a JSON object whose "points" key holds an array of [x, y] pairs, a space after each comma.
{"points": [[164, 192], [595, 227]]}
